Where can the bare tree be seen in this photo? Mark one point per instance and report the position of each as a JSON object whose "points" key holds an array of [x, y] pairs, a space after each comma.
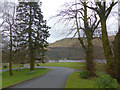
{"points": [[84, 25], [103, 10], [116, 45], [8, 16]]}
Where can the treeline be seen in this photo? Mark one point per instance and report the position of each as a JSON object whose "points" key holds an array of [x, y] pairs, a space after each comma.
{"points": [[74, 53]]}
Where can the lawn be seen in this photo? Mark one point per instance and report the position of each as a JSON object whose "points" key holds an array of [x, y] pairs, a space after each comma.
{"points": [[20, 76], [75, 65], [13, 66], [74, 81]]}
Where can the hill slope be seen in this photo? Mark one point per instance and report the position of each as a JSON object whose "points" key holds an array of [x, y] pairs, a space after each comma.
{"points": [[71, 49]]}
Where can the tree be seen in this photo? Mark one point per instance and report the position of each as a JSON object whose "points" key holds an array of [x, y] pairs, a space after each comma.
{"points": [[116, 50], [41, 41], [8, 16], [104, 10], [31, 29], [78, 12], [116, 46]]}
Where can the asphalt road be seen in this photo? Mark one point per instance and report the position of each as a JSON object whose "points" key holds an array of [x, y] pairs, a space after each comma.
{"points": [[55, 78]]}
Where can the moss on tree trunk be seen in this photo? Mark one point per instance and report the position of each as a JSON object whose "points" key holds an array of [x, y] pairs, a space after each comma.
{"points": [[111, 67], [116, 50], [90, 58]]}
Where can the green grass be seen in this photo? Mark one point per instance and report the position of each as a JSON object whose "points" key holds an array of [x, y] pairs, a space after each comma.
{"points": [[74, 65], [13, 66], [20, 76], [74, 81]]}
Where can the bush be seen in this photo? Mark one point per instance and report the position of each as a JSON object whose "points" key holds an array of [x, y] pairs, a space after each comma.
{"points": [[38, 65], [4, 66], [84, 74], [105, 81]]}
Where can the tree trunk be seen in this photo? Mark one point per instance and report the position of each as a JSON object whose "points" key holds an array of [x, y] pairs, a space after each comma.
{"points": [[89, 50], [31, 49], [90, 58], [111, 67], [116, 50], [32, 59], [10, 57]]}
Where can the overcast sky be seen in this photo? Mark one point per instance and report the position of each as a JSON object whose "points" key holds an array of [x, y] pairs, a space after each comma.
{"points": [[51, 7]]}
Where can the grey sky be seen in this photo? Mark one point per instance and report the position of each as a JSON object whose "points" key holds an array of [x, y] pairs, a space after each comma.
{"points": [[51, 7]]}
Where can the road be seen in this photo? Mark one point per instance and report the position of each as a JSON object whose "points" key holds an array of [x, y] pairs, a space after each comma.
{"points": [[55, 78]]}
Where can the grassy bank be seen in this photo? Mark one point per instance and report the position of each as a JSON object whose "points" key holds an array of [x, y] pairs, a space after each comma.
{"points": [[20, 76], [74, 81]]}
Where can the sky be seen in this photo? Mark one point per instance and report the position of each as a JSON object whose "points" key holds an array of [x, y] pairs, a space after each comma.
{"points": [[52, 7]]}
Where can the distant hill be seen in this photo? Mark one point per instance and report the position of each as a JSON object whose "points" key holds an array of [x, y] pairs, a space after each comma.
{"points": [[71, 49]]}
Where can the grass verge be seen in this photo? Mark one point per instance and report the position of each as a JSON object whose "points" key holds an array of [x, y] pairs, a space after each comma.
{"points": [[20, 76], [74, 81]]}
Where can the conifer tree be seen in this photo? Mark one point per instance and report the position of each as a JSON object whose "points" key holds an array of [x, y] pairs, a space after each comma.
{"points": [[31, 29]]}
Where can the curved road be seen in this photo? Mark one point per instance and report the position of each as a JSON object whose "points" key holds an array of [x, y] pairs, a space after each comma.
{"points": [[55, 78]]}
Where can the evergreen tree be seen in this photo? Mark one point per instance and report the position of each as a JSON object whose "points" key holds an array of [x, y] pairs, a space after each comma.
{"points": [[31, 29]]}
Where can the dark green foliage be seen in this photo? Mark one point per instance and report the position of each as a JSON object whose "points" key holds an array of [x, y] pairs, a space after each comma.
{"points": [[84, 74], [105, 81], [38, 65], [4, 66], [31, 30]]}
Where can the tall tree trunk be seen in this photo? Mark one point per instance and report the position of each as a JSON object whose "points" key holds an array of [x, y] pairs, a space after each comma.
{"points": [[116, 50], [89, 50], [90, 58], [10, 57], [111, 67], [31, 49]]}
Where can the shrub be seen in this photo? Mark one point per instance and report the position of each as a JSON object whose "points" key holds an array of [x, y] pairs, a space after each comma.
{"points": [[105, 81], [4, 66], [38, 65], [84, 74]]}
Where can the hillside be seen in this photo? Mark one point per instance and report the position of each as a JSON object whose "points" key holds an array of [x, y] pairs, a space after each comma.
{"points": [[70, 42], [71, 49]]}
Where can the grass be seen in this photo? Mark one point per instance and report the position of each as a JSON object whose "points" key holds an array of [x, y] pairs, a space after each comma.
{"points": [[74, 81], [74, 65], [20, 76], [13, 66]]}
